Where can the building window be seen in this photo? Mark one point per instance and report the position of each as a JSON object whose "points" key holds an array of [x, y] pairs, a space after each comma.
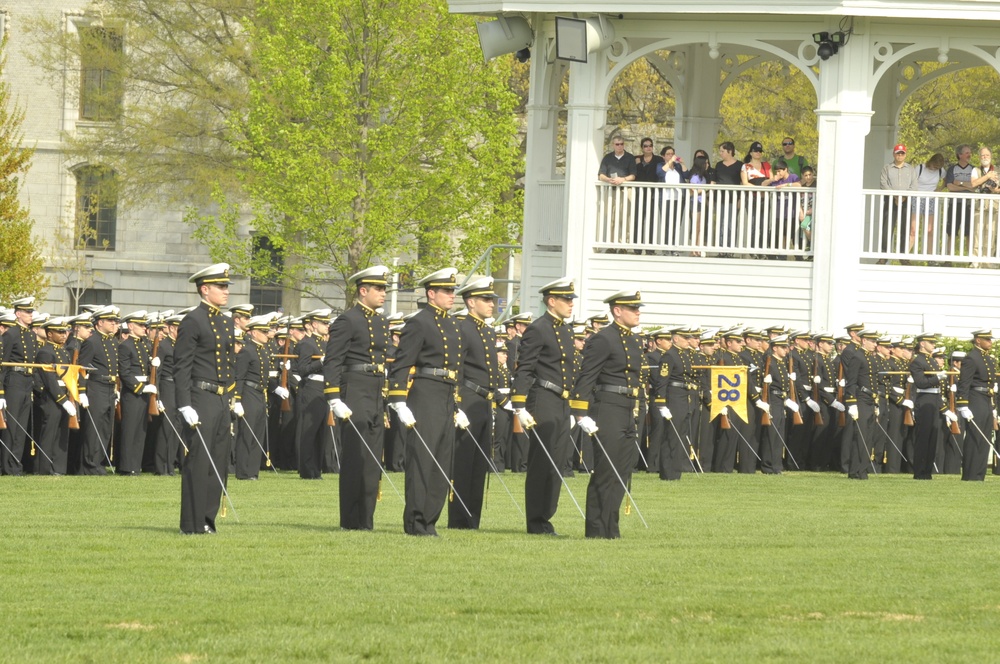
{"points": [[97, 206], [101, 296], [100, 74], [265, 293]]}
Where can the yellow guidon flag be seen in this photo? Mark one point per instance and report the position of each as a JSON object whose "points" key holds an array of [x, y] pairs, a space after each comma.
{"points": [[729, 390]]}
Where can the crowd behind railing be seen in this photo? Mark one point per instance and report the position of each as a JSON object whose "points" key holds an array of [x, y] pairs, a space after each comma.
{"points": [[654, 204]]}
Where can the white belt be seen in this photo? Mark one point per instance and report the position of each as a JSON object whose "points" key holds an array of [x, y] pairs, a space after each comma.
{"points": [[928, 390], [141, 379], [318, 377]]}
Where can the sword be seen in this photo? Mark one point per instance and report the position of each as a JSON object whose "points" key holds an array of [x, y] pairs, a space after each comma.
{"points": [[493, 468], [436, 463], [744, 438], [868, 454], [176, 433], [257, 440], [377, 461], [985, 437], [333, 441], [217, 475], [9, 451], [889, 438], [618, 475], [572, 444], [101, 442], [33, 442], [681, 440], [558, 472]]}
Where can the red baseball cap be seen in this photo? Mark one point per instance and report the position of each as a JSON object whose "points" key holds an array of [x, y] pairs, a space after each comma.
{"points": [[899, 148]]}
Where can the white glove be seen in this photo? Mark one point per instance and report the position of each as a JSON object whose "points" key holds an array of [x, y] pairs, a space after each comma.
{"points": [[965, 412], [996, 387], [525, 418], [340, 409], [941, 375], [155, 362], [817, 379], [509, 406], [898, 390], [768, 380], [406, 417], [953, 387], [841, 383], [69, 408], [791, 375], [84, 401], [461, 419], [877, 411], [588, 425], [149, 389], [995, 416], [907, 404], [118, 396], [287, 366], [853, 412], [813, 406], [159, 406], [3, 403], [238, 409], [281, 392], [791, 405], [665, 412], [190, 415], [837, 405], [909, 379], [763, 405], [950, 417]]}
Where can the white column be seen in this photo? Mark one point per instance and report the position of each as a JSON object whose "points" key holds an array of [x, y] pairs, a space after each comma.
{"points": [[697, 121], [844, 122], [586, 111], [883, 136]]}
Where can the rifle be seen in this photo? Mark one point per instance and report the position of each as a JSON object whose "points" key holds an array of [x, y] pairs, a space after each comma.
{"points": [[152, 410], [765, 419], [74, 422], [818, 415], [842, 417], [796, 415], [908, 415], [286, 405], [954, 428]]}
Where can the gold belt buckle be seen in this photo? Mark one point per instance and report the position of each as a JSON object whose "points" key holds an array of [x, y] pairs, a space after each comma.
{"points": [[489, 395], [565, 394], [453, 375], [380, 367]]}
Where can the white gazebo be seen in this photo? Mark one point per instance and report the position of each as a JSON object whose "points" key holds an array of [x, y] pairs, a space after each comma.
{"points": [[731, 254]]}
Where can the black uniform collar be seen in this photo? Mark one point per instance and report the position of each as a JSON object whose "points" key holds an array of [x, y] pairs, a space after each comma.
{"points": [[366, 310], [624, 331], [212, 309], [438, 311]]}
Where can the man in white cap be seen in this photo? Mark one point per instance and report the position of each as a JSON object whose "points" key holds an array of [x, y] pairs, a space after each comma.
{"points": [[976, 402], [312, 435], [431, 346], [133, 371], [605, 398], [99, 390], [354, 372], [540, 393], [54, 403], [253, 363], [20, 344], [167, 452], [479, 379], [205, 380]]}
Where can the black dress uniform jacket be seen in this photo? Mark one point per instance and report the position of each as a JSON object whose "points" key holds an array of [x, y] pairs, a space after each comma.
{"points": [[53, 431], [99, 351]]}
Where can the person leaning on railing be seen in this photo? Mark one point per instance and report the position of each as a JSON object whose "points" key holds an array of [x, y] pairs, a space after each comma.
{"points": [[896, 176], [985, 241], [929, 176], [617, 168]]}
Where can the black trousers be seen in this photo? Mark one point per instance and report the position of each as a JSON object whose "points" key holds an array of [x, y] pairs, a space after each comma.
{"points": [[312, 435], [543, 482], [167, 443], [729, 441], [253, 423], [771, 449], [471, 467], [427, 488], [53, 437], [362, 455], [18, 393], [502, 429], [861, 436], [97, 431], [674, 451], [133, 438], [614, 458], [206, 462], [894, 443], [747, 460], [655, 434], [926, 430], [395, 444], [977, 447]]}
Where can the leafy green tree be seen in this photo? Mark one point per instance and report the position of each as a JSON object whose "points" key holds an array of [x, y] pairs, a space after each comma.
{"points": [[21, 265]]}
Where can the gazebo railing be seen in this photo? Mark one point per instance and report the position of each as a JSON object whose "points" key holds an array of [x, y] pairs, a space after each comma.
{"points": [[708, 219], [935, 227]]}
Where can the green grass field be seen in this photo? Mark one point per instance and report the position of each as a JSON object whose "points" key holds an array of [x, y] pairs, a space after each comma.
{"points": [[801, 567]]}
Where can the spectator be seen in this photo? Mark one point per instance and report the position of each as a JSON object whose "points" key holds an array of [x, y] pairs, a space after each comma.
{"points": [[806, 202], [727, 172], [896, 176], [700, 173], [958, 179], [670, 172], [988, 182], [756, 173], [929, 176], [617, 168], [647, 165], [795, 162], [785, 205]]}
